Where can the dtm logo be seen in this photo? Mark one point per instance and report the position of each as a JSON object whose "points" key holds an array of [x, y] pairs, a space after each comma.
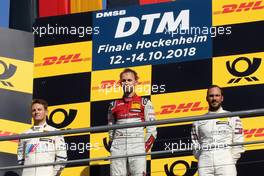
{"points": [[68, 117], [245, 6], [9, 71], [183, 107], [190, 171], [251, 68], [128, 26], [64, 59], [255, 132]]}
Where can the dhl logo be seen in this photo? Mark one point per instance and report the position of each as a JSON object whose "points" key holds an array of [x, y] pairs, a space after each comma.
{"points": [[254, 132], [64, 59], [245, 6], [183, 107], [7, 133], [106, 84]]}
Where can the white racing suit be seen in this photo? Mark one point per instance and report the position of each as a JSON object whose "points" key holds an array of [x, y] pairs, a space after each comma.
{"points": [[42, 150], [130, 140], [211, 138]]}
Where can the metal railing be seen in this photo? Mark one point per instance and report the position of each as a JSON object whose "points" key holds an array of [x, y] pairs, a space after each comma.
{"points": [[137, 124], [248, 113]]}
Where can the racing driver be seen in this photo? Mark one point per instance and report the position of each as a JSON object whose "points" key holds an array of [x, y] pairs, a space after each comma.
{"points": [[44, 149], [212, 137], [130, 108]]}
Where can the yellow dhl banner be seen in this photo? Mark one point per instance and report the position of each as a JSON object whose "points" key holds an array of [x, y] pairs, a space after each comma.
{"points": [[16, 75], [70, 116], [80, 171], [238, 70], [8, 128], [180, 104], [100, 147], [186, 165], [253, 131], [106, 85], [239, 11], [62, 59]]}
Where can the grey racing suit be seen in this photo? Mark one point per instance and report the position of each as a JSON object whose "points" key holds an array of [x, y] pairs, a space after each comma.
{"points": [[211, 139], [42, 150], [130, 140]]}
